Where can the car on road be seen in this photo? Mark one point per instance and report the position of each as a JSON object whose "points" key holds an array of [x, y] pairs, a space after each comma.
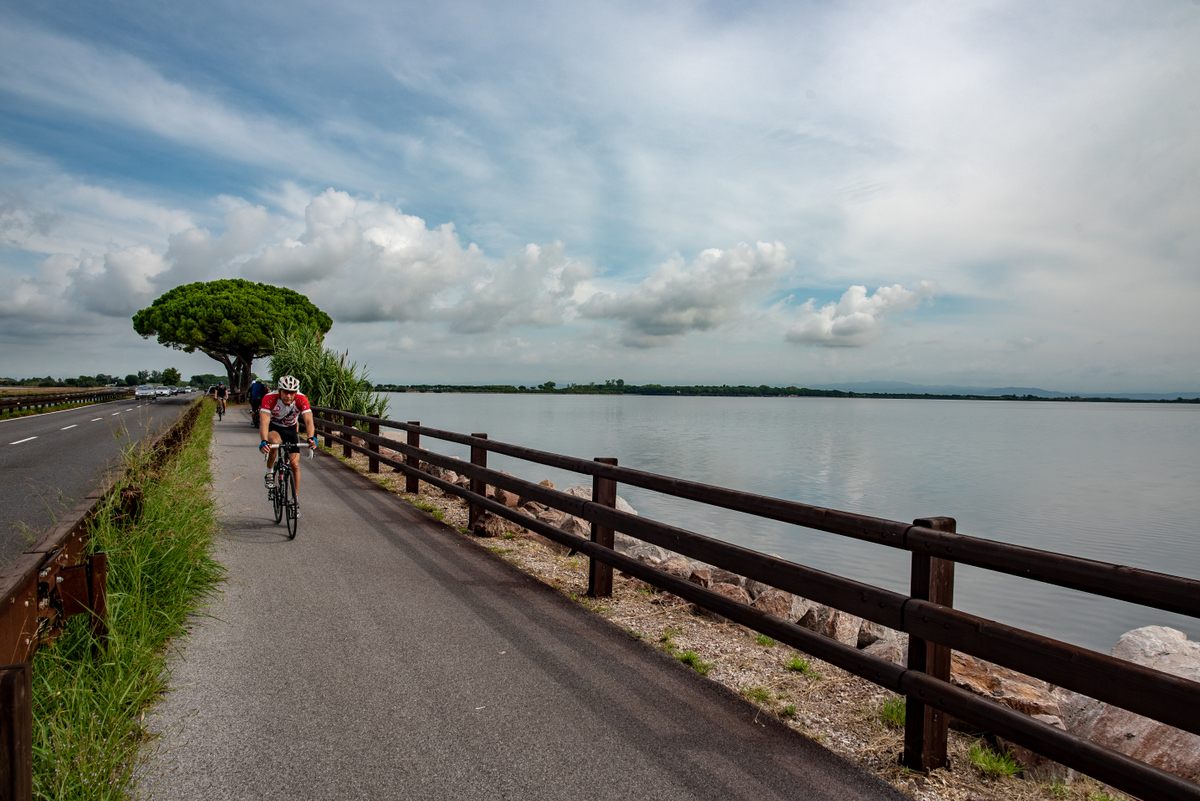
{"points": [[145, 391], [163, 391]]}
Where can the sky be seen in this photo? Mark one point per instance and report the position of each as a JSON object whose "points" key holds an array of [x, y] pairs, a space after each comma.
{"points": [[980, 194]]}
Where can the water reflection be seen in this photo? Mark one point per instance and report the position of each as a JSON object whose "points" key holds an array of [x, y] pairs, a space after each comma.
{"points": [[1114, 482]]}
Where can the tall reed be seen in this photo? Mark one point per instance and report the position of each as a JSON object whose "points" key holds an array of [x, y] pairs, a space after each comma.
{"points": [[326, 377]]}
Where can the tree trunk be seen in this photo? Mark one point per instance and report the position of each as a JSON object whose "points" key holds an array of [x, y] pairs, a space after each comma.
{"points": [[237, 370]]}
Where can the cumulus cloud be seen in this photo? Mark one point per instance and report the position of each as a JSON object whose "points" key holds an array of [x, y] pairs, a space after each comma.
{"points": [[119, 284], [364, 260], [857, 318], [698, 296], [535, 287]]}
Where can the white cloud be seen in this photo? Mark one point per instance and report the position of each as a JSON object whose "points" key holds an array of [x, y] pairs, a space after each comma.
{"points": [[856, 319], [536, 287], [120, 285], [698, 296]]}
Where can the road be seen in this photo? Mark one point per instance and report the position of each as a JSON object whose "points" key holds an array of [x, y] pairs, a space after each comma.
{"points": [[380, 655], [50, 461]]}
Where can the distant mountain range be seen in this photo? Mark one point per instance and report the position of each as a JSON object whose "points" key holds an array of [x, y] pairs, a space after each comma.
{"points": [[903, 388]]}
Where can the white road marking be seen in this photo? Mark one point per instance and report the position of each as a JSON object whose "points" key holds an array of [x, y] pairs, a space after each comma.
{"points": [[68, 427], [94, 419], [114, 414], [131, 409], [18, 442]]}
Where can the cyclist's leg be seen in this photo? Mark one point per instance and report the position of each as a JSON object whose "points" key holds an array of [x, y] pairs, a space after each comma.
{"points": [[294, 458], [273, 438]]}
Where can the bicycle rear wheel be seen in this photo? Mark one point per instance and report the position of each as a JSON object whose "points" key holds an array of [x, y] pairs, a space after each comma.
{"points": [[293, 507], [277, 495]]}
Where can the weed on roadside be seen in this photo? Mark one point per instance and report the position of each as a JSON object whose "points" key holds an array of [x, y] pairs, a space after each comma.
{"points": [[693, 660], [892, 712], [992, 763]]}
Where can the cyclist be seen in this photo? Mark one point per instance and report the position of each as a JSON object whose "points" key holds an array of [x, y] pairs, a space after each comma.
{"points": [[278, 421], [256, 393], [221, 392]]}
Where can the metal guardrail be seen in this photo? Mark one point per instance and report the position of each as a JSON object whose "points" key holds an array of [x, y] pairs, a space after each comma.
{"points": [[45, 400], [926, 614], [51, 581]]}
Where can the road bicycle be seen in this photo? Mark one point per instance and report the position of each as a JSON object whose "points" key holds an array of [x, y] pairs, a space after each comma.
{"points": [[283, 494], [220, 408]]}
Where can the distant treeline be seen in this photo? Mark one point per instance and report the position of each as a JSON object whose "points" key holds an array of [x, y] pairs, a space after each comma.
{"points": [[619, 387], [169, 376]]}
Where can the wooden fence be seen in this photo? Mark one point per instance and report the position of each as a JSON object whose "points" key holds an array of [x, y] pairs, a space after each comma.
{"points": [[926, 614]]}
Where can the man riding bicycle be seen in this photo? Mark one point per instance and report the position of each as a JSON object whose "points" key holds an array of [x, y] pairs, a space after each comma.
{"points": [[278, 422], [221, 392], [255, 394]]}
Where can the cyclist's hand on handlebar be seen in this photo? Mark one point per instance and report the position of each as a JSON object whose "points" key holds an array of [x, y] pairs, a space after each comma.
{"points": [[264, 447], [312, 443]]}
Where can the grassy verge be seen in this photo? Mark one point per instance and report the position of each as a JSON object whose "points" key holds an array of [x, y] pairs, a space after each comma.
{"points": [[87, 710]]}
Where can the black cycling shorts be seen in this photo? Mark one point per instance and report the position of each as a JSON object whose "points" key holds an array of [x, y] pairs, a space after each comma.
{"points": [[286, 433]]}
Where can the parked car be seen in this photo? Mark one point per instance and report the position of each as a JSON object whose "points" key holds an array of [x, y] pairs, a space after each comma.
{"points": [[145, 391]]}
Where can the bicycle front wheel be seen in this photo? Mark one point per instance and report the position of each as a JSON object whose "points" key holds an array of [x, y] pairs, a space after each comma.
{"points": [[293, 508], [277, 496]]}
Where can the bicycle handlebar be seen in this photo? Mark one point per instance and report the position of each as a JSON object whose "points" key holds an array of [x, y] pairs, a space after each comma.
{"points": [[287, 446]]}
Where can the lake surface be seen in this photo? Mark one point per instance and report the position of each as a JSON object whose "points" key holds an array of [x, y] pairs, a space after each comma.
{"points": [[1108, 481]]}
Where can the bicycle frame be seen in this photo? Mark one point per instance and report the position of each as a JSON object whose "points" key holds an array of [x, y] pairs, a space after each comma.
{"points": [[283, 495]]}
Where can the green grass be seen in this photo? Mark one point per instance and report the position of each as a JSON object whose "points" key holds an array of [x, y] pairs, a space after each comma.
{"points": [[788, 711], [667, 639], [1058, 790], [431, 510], [892, 712], [87, 711], [799, 664], [693, 660], [764, 641], [759, 695], [992, 763]]}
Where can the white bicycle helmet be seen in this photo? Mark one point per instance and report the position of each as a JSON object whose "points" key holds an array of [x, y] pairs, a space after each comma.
{"points": [[289, 383]]}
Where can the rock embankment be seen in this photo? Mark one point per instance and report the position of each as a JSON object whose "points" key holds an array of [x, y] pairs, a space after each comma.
{"points": [[1156, 647]]}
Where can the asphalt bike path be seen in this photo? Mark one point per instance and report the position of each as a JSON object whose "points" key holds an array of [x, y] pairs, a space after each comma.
{"points": [[380, 655]]}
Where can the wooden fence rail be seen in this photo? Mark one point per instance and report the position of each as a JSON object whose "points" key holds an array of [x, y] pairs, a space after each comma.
{"points": [[926, 614]]}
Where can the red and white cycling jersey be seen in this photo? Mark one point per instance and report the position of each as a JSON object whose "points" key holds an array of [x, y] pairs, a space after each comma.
{"points": [[284, 414]]}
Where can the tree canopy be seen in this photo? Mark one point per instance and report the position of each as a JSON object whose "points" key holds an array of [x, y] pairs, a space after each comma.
{"points": [[231, 320]]}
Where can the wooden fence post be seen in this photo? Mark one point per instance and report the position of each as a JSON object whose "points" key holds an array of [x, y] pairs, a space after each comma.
{"points": [[925, 728], [16, 732], [478, 485], [411, 484], [347, 435], [373, 447], [600, 576]]}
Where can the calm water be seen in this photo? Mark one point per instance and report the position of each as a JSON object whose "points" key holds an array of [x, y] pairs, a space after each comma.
{"points": [[1114, 482]]}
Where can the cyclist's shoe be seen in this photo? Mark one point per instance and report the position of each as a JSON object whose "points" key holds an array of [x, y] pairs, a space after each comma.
{"points": [[296, 511], [269, 479]]}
